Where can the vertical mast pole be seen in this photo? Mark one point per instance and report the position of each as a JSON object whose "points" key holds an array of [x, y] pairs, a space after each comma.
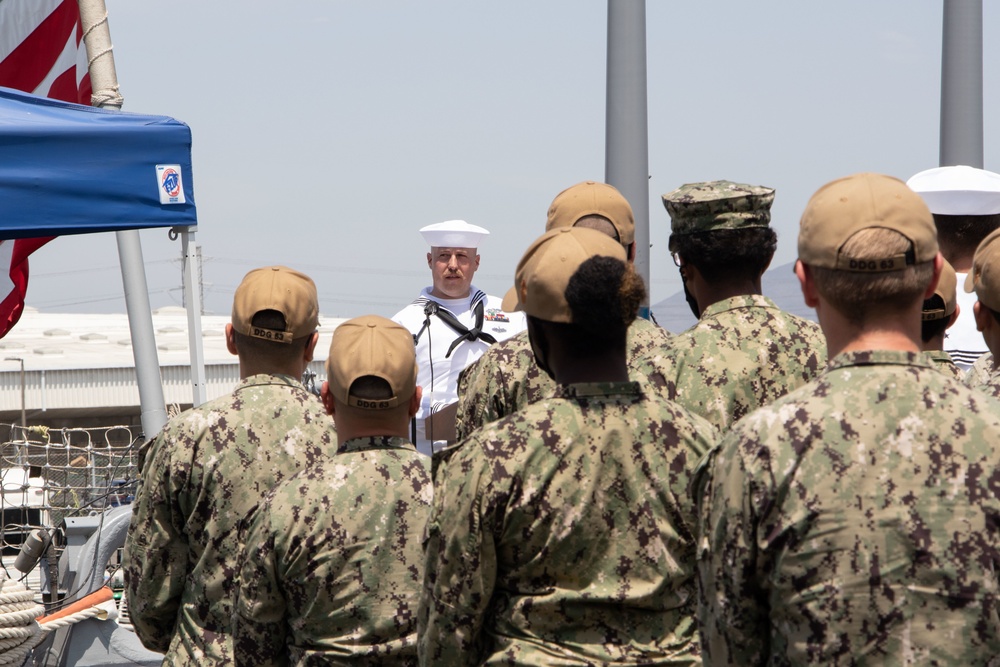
{"points": [[962, 84], [104, 82], [626, 131]]}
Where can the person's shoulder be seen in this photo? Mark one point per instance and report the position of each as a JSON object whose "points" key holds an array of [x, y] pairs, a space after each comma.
{"points": [[801, 324], [511, 349], [510, 436], [194, 421], [502, 356], [675, 419], [411, 312], [644, 336]]}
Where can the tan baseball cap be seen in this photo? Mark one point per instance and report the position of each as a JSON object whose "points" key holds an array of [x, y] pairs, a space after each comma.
{"points": [[545, 269], [372, 345], [592, 198], [984, 278], [279, 288], [842, 208], [946, 289]]}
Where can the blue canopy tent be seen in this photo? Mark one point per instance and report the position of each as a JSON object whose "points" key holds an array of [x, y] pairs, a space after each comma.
{"points": [[72, 169]]}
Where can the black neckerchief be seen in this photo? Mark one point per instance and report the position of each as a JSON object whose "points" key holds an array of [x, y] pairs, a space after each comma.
{"points": [[471, 335]]}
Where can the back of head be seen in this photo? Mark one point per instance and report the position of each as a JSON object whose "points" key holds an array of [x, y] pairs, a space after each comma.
{"points": [[870, 243], [965, 202], [580, 280], [984, 278], [722, 228], [595, 205], [371, 369], [937, 310], [275, 311]]}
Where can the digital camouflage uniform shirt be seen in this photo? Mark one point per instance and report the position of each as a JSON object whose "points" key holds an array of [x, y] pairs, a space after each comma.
{"points": [[981, 375], [506, 378], [942, 361], [744, 352], [564, 534], [333, 567], [855, 521], [204, 471]]}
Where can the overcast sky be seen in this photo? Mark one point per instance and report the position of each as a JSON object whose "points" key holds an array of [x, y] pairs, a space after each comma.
{"points": [[326, 133]]}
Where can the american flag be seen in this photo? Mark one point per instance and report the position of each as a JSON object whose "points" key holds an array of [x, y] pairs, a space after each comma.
{"points": [[41, 52]]}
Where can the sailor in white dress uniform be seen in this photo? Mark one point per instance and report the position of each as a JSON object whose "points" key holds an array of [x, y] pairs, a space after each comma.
{"points": [[965, 202], [452, 322]]}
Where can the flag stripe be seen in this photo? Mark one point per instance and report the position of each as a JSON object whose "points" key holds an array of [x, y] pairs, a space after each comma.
{"points": [[30, 62], [40, 53], [12, 304], [19, 18]]}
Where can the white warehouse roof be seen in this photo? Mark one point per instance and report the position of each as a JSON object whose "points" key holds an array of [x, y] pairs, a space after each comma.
{"points": [[83, 365]]}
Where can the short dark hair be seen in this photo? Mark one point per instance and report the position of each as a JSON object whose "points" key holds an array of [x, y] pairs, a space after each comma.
{"points": [[372, 387], [599, 223], [962, 233], [604, 295], [259, 349], [725, 255], [933, 328], [861, 296]]}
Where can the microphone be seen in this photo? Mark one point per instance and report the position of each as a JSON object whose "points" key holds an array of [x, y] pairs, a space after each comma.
{"points": [[431, 308]]}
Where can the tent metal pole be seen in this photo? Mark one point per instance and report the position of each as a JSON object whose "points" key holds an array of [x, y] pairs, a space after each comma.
{"points": [[104, 82], [192, 300], [626, 161], [962, 84]]}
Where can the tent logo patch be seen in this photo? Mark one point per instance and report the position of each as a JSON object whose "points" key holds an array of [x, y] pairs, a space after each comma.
{"points": [[171, 187]]}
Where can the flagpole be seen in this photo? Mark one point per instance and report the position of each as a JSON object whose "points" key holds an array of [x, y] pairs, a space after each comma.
{"points": [[962, 84], [104, 82], [626, 157]]}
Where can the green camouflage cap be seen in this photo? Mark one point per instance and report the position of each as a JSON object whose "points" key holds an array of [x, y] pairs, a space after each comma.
{"points": [[707, 207]]}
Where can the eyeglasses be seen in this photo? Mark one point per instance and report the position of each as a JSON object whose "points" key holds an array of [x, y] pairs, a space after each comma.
{"points": [[676, 258]]}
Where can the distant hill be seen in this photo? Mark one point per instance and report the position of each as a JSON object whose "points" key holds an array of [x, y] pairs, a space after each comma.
{"points": [[780, 284]]}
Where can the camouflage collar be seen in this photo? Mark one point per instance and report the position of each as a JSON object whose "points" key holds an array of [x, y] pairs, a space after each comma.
{"points": [[734, 302], [879, 358], [598, 389], [375, 442], [263, 379], [939, 356]]}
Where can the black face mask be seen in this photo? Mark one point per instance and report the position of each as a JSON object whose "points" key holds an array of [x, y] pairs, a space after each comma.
{"points": [[689, 297]]}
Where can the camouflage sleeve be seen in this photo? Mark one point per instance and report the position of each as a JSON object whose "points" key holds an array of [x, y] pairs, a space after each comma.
{"points": [[732, 612], [155, 560], [459, 565], [480, 396], [259, 612], [978, 375]]}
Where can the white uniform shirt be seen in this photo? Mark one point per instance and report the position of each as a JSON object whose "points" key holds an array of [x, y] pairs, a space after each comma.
{"points": [[437, 372], [963, 341]]}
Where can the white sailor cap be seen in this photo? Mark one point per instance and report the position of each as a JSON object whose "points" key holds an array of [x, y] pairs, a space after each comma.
{"points": [[453, 234], [958, 190]]}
